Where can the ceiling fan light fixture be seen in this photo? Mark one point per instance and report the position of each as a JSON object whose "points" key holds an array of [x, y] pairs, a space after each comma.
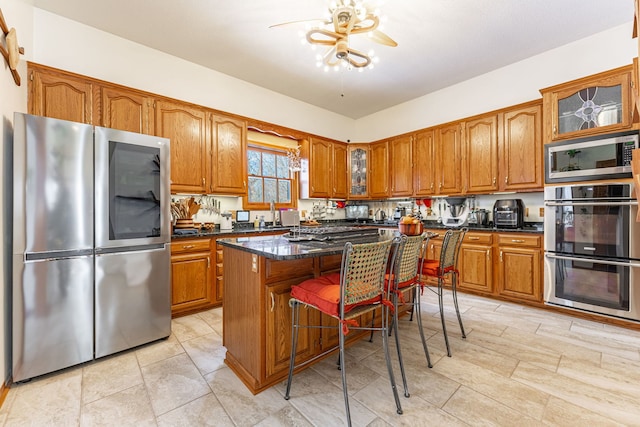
{"points": [[348, 17]]}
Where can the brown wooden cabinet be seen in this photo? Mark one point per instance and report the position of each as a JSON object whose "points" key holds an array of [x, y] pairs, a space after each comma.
{"points": [[358, 171], [596, 104], [450, 159], [60, 95], [229, 164], [520, 266], [188, 129], [401, 166], [475, 262], [520, 144], [126, 110], [481, 148], [379, 170], [325, 173], [191, 276], [218, 274], [424, 163]]}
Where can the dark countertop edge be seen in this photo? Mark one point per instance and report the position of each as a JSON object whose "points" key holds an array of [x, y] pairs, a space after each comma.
{"points": [[532, 227]]}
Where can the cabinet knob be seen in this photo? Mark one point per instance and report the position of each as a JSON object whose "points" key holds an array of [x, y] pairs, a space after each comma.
{"points": [[500, 256], [506, 179], [488, 251], [188, 246], [517, 240], [494, 180], [273, 301], [474, 238]]}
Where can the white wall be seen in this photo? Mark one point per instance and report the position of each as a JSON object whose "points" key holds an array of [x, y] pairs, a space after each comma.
{"points": [[12, 98], [510, 85], [71, 46]]}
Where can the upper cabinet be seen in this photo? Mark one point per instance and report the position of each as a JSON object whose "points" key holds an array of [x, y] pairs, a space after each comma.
{"points": [[358, 173], [125, 109], [379, 170], [229, 166], [592, 105], [520, 144], [59, 95], [424, 165], [324, 169], [481, 147], [401, 166], [449, 158], [188, 129]]}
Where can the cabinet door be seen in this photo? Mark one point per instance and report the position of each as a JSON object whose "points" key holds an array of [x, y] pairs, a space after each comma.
{"points": [[187, 129], [339, 165], [481, 145], [125, 110], [60, 96], [593, 105], [379, 175], [190, 281], [358, 171], [449, 159], [278, 330], [320, 181], [521, 149], [401, 166], [424, 164], [475, 266], [519, 273], [229, 168]]}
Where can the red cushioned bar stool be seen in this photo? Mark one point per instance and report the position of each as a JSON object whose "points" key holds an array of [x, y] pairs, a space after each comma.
{"points": [[440, 269], [357, 289]]}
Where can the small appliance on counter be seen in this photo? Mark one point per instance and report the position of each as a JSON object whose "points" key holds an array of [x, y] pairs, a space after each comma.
{"points": [[456, 212], [479, 217], [399, 212], [508, 213], [226, 222], [357, 212], [290, 218]]}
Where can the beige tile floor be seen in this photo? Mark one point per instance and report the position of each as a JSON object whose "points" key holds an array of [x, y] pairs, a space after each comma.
{"points": [[518, 366]]}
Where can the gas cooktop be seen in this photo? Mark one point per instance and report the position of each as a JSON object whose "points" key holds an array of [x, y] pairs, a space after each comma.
{"points": [[330, 233]]}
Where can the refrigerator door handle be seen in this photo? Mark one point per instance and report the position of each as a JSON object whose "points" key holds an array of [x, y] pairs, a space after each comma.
{"points": [[115, 250]]}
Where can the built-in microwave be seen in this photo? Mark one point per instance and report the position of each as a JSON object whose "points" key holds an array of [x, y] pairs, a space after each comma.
{"points": [[595, 158]]}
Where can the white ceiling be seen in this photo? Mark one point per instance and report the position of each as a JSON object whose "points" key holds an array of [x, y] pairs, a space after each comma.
{"points": [[440, 42]]}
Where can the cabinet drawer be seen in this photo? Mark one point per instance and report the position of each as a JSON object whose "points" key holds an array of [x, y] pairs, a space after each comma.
{"points": [[528, 240], [478, 238], [190, 245]]}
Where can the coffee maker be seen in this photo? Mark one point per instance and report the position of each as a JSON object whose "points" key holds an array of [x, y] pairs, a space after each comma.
{"points": [[456, 212]]}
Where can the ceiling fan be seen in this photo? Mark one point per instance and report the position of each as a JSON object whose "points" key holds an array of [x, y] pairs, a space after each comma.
{"points": [[348, 17]]}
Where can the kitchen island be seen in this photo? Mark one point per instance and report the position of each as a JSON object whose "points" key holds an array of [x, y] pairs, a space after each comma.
{"points": [[259, 272]]}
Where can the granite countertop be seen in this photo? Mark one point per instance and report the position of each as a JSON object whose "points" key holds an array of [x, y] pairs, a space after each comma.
{"points": [[279, 248], [529, 227]]}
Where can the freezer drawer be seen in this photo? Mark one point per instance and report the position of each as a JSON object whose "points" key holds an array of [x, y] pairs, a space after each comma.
{"points": [[132, 301], [52, 315]]}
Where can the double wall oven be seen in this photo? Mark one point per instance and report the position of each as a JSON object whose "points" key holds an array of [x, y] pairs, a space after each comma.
{"points": [[592, 255]]}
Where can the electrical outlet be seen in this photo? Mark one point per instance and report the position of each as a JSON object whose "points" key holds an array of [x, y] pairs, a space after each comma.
{"points": [[541, 212], [254, 263]]}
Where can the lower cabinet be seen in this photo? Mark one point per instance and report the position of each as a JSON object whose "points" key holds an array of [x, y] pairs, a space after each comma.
{"points": [[500, 264], [191, 276], [520, 266], [475, 262]]}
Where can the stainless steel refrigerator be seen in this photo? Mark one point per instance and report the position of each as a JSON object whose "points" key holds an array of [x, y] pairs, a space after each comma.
{"points": [[91, 243]]}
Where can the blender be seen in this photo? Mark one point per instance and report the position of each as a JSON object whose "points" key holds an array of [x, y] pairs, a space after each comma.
{"points": [[456, 212]]}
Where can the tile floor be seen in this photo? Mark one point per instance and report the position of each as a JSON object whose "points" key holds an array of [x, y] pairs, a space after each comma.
{"points": [[518, 366]]}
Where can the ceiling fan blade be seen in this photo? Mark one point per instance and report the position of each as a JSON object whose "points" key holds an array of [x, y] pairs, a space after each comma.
{"points": [[304, 21], [380, 37]]}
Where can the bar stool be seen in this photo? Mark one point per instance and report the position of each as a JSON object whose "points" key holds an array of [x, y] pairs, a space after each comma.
{"points": [[402, 277], [445, 266], [356, 290]]}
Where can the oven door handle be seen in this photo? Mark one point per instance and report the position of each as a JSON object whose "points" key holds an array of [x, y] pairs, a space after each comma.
{"points": [[597, 261], [633, 203]]}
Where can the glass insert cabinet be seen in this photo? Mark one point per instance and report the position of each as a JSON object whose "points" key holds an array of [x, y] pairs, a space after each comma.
{"points": [[593, 105], [358, 171]]}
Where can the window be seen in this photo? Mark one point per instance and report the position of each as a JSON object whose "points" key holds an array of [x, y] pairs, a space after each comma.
{"points": [[269, 178]]}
